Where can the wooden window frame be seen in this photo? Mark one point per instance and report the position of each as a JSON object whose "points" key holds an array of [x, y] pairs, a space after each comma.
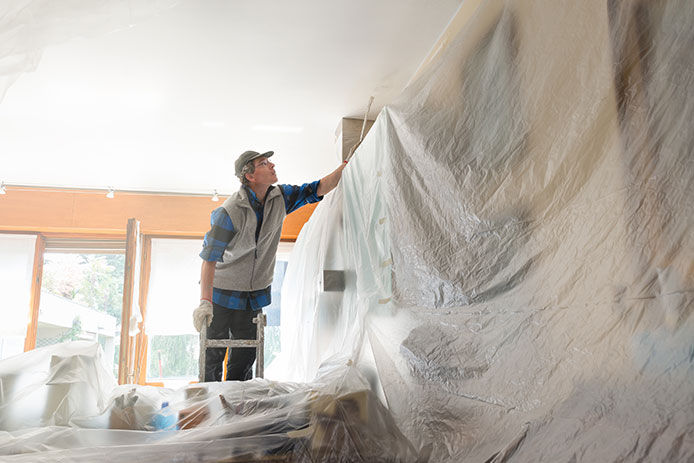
{"points": [[88, 215]]}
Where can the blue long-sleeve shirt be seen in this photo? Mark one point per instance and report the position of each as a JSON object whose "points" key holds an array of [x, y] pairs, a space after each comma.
{"points": [[222, 231]]}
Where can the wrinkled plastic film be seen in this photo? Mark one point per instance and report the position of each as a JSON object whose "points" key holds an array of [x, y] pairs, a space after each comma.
{"points": [[519, 225], [514, 241], [62, 403]]}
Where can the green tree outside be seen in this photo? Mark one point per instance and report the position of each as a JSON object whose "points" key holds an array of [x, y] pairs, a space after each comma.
{"points": [[92, 280], [173, 356], [102, 285], [73, 333], [96, 281]]}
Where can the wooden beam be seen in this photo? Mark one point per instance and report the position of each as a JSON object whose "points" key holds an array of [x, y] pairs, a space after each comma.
{"points": [[91, 213], [35, 299], [295, 221], [124, 355], [141, 341], [347, 134]]}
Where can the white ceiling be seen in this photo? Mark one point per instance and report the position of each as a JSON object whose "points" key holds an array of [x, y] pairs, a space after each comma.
{"points": [[168, 104]]}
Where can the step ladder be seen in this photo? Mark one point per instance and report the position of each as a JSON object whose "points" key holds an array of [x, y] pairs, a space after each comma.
{"points": [[259, 344]]}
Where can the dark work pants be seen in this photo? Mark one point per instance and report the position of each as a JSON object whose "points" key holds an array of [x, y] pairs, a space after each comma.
{"points": [[238, 323]]}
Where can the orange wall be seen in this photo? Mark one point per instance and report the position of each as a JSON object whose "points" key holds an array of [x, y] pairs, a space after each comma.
{"points": [[90, 212]]}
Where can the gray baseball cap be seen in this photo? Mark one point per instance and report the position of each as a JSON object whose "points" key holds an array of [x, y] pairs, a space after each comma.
{"points": [[249, 156]]}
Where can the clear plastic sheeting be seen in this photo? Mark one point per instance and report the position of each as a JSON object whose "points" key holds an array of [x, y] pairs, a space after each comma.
{"points": [[508, 264], [61, 403], [516, 243]]}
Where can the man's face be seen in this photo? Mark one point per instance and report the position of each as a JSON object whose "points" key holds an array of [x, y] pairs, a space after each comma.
{"points": [[264, 172]]}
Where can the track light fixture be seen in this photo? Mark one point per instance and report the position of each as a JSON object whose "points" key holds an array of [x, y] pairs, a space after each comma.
{"points": [[110, 193], [215, 196]]}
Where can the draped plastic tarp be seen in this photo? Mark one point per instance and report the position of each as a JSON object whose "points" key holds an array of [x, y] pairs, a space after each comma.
{"points": [[61, 403], [516, 249], [515, 236]]}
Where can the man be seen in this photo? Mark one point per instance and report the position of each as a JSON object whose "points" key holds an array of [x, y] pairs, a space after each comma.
{"points": [[239, 257]]}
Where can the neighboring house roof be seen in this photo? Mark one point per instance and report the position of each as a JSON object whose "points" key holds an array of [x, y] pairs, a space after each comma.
{"points": [[58, 311]]}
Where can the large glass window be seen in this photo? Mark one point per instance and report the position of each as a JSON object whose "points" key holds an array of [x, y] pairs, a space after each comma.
{"points": [[82, 299], [17, 257], [272, 331], [174, 291]]}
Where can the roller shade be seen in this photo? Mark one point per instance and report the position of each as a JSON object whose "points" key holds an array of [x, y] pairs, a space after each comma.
{"points": [[85, 246]]}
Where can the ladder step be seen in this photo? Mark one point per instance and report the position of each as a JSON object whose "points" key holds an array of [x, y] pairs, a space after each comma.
{"points": [[231, 343], [260, 321]]}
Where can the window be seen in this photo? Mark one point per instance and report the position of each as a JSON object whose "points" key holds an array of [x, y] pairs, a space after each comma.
{"points": [[81, 299], [17, 253], [272, 331], [174, 291]]}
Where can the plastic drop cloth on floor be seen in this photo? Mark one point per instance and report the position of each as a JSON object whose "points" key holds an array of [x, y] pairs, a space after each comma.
{"points": [[516, 243], [60, 403]]}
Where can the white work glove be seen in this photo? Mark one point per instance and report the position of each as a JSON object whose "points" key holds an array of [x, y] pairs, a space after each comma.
{"points": [[202, 314]]}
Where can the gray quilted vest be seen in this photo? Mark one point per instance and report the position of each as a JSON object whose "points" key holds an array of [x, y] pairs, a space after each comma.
{"points": [[247, 265]]}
